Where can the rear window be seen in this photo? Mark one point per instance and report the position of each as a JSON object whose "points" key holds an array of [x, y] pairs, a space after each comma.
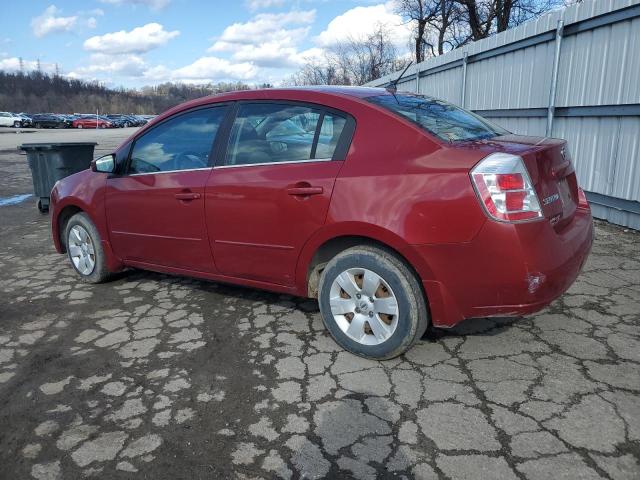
{"points": [[442, 119]]}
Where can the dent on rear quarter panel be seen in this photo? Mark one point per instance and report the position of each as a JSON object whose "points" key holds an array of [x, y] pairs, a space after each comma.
{"points": [[399, 179]]}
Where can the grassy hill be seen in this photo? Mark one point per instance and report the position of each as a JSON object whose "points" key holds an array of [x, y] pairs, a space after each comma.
{"points": [[38, 92]]}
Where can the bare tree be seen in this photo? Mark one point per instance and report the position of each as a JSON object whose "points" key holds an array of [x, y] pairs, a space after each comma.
{"points": [[420, 13], [353, 62], [434, 24], [485, 17], [369, 58], [442, 25]]}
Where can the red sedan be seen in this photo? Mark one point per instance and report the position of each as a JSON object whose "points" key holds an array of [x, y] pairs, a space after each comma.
{"points": [[91, 122], [395, 211]]}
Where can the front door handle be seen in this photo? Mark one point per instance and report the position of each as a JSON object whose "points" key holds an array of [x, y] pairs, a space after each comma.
{"points": [[305, 191], [187, 196]]}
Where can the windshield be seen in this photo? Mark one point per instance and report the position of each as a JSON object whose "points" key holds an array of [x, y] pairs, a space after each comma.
{"points": [[442, 119]]}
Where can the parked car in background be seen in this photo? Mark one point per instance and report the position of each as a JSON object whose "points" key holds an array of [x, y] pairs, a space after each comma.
{"points": [[8, 119], [92, 121], [47, 120], [25, 119], [118, 121], [397, 212], [146, 118], [67, 119], [138, 120]]}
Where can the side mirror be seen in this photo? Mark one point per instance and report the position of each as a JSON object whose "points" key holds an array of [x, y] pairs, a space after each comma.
{"points": [[106, 164]]}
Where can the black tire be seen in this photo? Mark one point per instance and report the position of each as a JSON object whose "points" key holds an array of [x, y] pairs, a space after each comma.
{"points": [[99, 273], [43, 205], [413, 318], [17, 124], [38, 125]]}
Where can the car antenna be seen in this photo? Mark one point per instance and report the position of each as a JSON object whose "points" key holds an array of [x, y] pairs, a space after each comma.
{"points": [[392, 88]]}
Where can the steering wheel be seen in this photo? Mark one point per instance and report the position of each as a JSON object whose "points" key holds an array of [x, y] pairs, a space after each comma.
{"points": [[141, 166], [188, 160]]}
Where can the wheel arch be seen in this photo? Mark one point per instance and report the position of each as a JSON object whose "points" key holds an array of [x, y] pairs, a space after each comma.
{"points": [[327, 243], [62, 219]]}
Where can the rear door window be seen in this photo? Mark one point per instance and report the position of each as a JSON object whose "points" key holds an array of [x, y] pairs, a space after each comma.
{"points": [[442, 119], [266, 133]]}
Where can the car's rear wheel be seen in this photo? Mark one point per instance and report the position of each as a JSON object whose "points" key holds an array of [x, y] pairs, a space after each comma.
{"points": [[84, 249], [38, 125], [16, 124], [372, 303], [79, 125]]}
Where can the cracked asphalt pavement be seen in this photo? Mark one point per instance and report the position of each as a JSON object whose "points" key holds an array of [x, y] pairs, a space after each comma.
{"points": [[155, 376]]}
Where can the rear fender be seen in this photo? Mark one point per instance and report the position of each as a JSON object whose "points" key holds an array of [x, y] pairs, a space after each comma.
{"points": [[366, 232]]}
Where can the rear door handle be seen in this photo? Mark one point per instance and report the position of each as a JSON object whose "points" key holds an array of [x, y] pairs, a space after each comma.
{"points": [[305, 191], [187, 196]]}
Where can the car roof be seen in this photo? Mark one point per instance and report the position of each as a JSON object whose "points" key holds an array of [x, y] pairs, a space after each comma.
{"points": [[340, 90], [297, 93]]}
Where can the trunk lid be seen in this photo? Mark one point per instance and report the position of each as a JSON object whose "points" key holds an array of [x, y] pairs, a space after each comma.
{"points": [[549, 164]]}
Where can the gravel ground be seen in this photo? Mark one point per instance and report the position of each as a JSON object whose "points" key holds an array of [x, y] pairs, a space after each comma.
{"points": [[178, 378]]}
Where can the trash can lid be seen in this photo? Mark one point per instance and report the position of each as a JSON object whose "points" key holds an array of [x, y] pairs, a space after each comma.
{"points": [[48, 146]]}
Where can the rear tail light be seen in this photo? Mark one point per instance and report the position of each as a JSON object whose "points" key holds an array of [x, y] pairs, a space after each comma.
{"points": [[582, 198], [505, 190]]}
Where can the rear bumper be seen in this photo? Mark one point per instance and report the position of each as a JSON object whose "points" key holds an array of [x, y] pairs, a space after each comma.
{"points": [[507, 270]]}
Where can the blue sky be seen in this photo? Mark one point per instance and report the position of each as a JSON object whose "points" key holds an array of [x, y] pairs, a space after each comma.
{"points": [[133, 43]]}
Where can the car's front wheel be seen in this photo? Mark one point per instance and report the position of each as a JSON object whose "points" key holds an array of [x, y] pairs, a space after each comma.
{"points": [[372, 303], [84, 249]]}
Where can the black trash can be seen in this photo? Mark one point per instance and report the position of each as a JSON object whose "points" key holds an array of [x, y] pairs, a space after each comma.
{"points": [[49, 162]]}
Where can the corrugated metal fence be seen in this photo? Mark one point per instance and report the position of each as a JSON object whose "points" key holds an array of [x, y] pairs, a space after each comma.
{"points": [[574, 74]]}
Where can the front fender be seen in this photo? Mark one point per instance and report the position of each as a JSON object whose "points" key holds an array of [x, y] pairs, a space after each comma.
{"points": [[83, 191]]}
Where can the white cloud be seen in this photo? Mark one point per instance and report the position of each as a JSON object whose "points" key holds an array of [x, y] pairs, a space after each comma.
{"points": [[268, 54], [153, 4], [265, 40], [121, 65], [311, 54], [358, 22], [139, 40], [49, 22], [259, 4], [262, 27], [214, 68]]}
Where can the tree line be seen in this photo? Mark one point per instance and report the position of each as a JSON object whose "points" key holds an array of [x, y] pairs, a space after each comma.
{"points": [[437, 26], [36, 91]]}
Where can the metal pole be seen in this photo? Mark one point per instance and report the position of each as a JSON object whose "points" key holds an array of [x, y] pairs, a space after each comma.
{"points": [[464, 78], [554, 79], [417, 78]]}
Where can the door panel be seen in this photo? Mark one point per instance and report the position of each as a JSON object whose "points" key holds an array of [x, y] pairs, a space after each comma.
{"points": [[155, 213], [150, 219], [260, 216]]}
